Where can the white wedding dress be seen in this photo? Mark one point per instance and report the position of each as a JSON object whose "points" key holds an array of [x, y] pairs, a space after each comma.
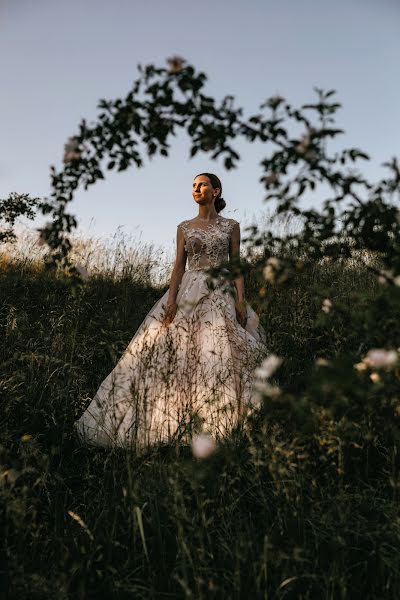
{"points": [[194, 375]]}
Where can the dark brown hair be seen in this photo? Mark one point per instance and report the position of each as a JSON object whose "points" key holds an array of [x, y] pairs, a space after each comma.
{"points": [[219, 202]]}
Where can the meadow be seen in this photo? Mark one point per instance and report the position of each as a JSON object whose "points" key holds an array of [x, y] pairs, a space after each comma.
{"points": [[302, 503]]}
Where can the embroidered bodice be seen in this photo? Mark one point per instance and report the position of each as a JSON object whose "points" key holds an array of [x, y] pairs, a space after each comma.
{"points": [[207, 246]]}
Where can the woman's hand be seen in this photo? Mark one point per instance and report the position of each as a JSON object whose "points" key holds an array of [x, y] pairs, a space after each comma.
{"points": [[169, 314], [241, 313]]}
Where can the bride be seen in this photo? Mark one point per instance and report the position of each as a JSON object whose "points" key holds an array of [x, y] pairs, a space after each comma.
{"points": [[189, 367]]}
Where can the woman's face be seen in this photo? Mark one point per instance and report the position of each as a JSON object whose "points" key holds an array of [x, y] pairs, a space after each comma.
{"points": [[202, 190]]}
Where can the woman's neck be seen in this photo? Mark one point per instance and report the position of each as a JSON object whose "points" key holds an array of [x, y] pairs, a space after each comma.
{"points": [[207, 213]]}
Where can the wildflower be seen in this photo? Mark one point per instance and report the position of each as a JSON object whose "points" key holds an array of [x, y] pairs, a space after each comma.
{"points": [[379, 357], [266, 389], [361, 366], [270, 179], [26, 437], [275, 101], [175, 64], [304, 144], [326, 305], [268, 367], [273, 261], [71, 150], [269, 271], [272, 391], [262, 389], [322, 362], [203, 445], [384, 275], [375, 377]]}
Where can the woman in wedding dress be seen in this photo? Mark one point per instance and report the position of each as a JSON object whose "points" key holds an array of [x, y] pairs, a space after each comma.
{"points": [[189, 367]]}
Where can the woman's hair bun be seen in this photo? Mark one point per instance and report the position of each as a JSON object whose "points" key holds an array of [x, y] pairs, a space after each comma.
{"points": [[219, 204]]}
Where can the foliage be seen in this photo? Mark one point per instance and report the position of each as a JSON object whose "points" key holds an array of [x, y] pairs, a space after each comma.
{"points": [[16, 205]]}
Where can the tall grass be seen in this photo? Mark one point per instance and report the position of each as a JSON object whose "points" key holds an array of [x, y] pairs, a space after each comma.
{"points": [[259, 519], [117, 257]]}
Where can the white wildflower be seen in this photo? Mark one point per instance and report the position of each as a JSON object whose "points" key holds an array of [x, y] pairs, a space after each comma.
{"points": [[203, 445], [361, 366], [268, 367], [326, 305], [269, 273], [275, 262], [255, 399], [71, 150], [262, 389], [322, 362], [271, 266], [273, 391], [266, 389], [379, 357], [375, 377], [384, 275]]}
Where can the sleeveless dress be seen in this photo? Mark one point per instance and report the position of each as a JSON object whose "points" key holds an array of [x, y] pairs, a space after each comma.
{"points": [[194, 375]]}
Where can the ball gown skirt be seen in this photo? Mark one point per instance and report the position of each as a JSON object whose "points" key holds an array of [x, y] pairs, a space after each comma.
{"points": [[194, 375]]}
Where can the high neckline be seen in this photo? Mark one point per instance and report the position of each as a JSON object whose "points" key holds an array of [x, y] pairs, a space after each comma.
{"points": [[212, 220]]}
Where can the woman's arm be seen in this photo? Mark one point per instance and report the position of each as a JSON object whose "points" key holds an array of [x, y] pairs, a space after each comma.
{"points": [[234, 254], [176, 277]]}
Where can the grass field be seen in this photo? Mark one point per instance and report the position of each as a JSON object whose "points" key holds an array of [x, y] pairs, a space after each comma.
{"points": [[277, 512]]}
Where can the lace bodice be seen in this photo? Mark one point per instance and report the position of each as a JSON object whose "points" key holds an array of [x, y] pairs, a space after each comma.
{"points": [[207, 246]]}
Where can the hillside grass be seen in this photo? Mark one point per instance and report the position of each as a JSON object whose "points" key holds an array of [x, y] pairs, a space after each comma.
{"points": [[258, 519]]}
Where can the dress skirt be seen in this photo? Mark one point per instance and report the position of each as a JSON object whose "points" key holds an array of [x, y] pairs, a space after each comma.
{"points": [[194, 375]]}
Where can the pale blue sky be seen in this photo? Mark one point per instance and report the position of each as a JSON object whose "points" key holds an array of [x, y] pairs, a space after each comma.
{"points": [[58, 58]]}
